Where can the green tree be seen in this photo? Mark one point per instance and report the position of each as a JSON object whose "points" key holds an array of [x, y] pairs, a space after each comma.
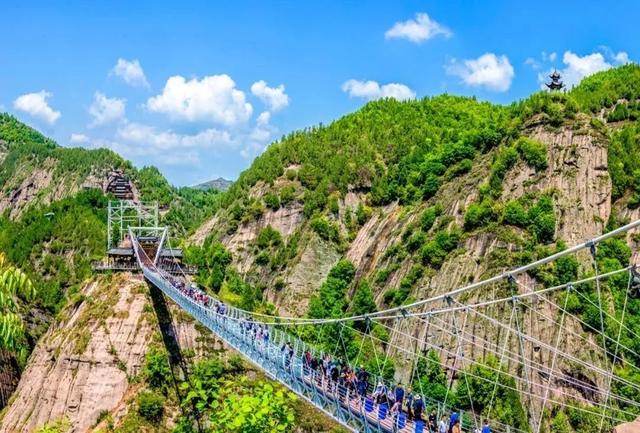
{"points": [[156, 368], [264, 410], [151, 406], [14, 285], [533, 152], [362, 303]]}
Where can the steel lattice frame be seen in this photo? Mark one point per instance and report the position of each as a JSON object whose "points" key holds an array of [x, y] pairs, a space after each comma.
{"points": [[122, 214]]}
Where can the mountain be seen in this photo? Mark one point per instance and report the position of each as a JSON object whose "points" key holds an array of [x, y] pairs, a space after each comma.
{"points": [[420, 197], [219, 184], [395, 202], [101, 346]]}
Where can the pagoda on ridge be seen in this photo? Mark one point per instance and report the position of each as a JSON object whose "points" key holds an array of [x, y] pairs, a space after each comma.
{"points": [[556, 83]]}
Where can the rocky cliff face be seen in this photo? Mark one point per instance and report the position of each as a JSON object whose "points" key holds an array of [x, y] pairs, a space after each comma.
{"points": [[84, 365], [36, 184]]}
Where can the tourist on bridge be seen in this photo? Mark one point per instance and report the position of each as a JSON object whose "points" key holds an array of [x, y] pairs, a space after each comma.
{"points": [[410, 403], [456, 427], [306, 358], [433, 421], [363, 381], [398, 394], [380, 393], [418, 408], [486, 428], [455, 417], [287, 353], [443, 427]]}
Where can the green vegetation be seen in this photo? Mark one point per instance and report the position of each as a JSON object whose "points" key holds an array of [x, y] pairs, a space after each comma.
{"points": [[532, 152], [59, 426], [624, 163], [604, 89], [15, 287], [151, 406], [55, 244]]}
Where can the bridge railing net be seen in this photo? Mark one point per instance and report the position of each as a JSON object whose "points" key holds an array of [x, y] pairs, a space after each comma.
{"points": [[282, 356]]}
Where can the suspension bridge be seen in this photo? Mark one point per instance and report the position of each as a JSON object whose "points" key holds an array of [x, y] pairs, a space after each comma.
{"points": [[504, 334]]}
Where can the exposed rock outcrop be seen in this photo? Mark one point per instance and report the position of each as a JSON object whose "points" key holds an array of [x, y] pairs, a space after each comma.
{"points": [[83, 365]]}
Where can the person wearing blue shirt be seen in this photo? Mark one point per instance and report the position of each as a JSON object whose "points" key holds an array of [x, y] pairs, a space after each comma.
{"points": [[486, 428], [455, 416], [399, 394]]}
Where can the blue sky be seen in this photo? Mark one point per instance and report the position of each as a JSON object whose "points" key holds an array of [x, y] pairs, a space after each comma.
{"points": [[200, 88]]}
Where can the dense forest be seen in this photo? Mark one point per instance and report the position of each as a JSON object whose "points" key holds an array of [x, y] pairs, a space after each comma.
{"points": [[388, 152]]}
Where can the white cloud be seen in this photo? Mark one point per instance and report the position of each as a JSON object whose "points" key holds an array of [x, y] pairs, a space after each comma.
{"points": [[418, 30], [78, 138], [372, 90], [622, 58], [214, 98], [274, 97], [162, 141], [131, 72], [579, 67], [37, 106], [259, 137], [489, 71], [105, 110], [533, 63]]}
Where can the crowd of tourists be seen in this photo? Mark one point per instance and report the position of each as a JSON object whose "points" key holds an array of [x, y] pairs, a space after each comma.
{"points": [[338, 377]]}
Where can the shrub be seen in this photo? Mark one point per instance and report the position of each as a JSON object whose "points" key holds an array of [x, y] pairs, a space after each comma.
{"points": [[150, 406], [415, 241], [429, 217], [532, 152], [334, 205], [262, 259], [502, 163], [287, 194], [619, 113], [326, 229], [268, 237], [272, 201], [435, 251], [459, 169], [156, 368], [362, 213], [515, 214], [544, 227], [478, 215]]}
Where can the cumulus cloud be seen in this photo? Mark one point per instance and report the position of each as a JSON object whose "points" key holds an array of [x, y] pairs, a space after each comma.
{"points": [[213, 98], [131, 72], [577, 67], [167, 140], [622, 58], [259, 137], [105, 110], [418, 30], [489, 71], [373, 90], [274, 97], [36, 105], [78, 138]]}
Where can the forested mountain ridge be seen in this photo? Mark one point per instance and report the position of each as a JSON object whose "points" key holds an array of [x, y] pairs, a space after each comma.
{"points": [[394, 202], [424, 196]]}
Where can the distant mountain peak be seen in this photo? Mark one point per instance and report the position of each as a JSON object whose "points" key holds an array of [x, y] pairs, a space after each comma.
{"points": [[221, 184]]}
